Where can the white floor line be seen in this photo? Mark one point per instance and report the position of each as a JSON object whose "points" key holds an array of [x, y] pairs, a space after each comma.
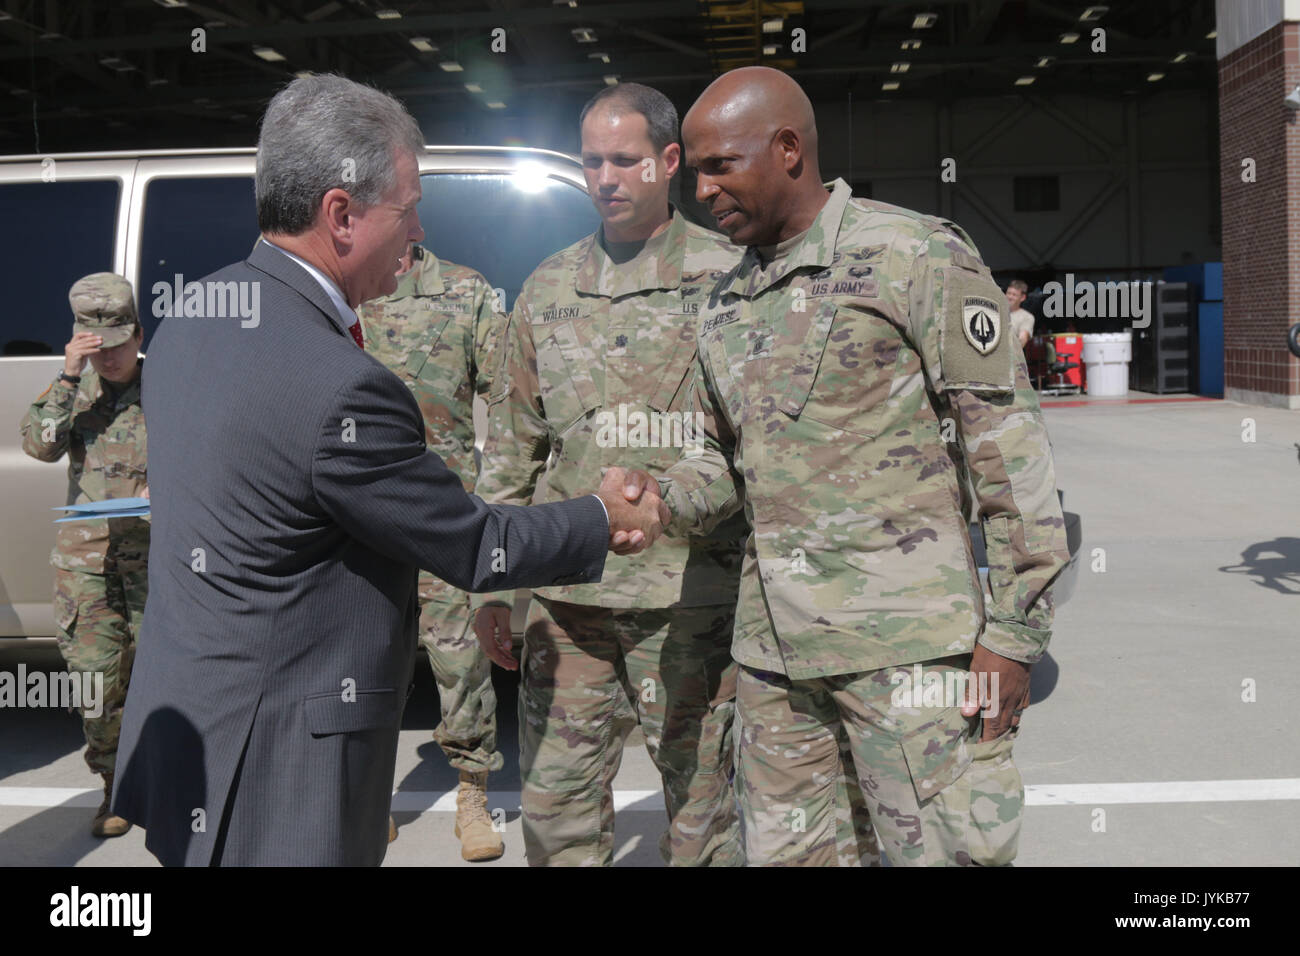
{"points": [[1036, 795]]}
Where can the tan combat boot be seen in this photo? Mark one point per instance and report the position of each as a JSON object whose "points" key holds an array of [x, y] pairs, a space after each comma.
{"points": [[105, 824], [478, 841]]}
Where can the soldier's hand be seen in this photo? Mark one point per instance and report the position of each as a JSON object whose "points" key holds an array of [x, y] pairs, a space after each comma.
{"points": [[492, 628], [1002, 691], [636, 482], [633, 525], [78, 350]]}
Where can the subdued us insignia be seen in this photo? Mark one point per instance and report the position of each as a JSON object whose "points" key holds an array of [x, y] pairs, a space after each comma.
{"points": [[982, 323]]}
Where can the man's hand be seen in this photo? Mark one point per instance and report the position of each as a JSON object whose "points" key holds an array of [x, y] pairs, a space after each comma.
{"points": [[492, 628], [78, 350], [634, 523], [1005, 693]]}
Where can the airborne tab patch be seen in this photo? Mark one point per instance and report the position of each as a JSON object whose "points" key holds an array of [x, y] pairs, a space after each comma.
{"points": [[973, 350], [981, 323]]}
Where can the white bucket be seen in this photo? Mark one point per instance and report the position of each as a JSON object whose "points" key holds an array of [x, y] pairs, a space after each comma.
{"points": [[1105, 357]]}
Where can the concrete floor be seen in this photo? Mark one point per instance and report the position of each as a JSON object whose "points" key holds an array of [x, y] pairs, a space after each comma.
{"points": [[1143, 685]]}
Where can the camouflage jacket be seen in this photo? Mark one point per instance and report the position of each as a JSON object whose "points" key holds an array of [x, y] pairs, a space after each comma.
{"points": [[596, 368], [853, 391], [437, 332], [102, 433]]}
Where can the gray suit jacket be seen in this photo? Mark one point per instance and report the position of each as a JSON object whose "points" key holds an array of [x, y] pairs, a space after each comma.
{"points": [[293, 500]]}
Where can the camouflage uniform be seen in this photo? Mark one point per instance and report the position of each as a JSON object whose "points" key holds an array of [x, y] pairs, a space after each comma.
{"points": [[437, 331], [596, 367], [852, 387], [100, 576]]}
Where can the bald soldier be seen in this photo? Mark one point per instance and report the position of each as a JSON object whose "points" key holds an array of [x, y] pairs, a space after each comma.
{"points": [[100, 565], [437, 332], [596, 370], [858, 373]]}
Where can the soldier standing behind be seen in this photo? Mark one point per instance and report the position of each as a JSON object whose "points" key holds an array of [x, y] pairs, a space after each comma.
{"points": [[595, 374], [437, 332], [857, 369], [100, 565]]}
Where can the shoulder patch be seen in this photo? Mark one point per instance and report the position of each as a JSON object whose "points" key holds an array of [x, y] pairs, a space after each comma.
{"points": [[974, 351], [981, 322]]}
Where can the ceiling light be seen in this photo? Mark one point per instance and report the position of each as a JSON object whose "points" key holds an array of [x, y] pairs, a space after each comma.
{"points": [[1025, 80], [1069, 37], [473, 88], [171, 4], [1093, 13], [770, 49], [388, 14], [1044, 61], [564, 3], [303, 74], [1155, 77], [889, 85], [899, 67], [583, 34], [773, 26], [1180, 57], [611, 79], [602, 57], [923, 21], [423, 45], [451, 66], [1212, 34], [268, 54], [911, 45], [116, 63], [496, 105]]}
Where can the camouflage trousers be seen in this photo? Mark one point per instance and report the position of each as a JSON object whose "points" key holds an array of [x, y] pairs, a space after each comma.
{"points": [[98, 618], [467, 732], [589, 674], [936, 795]]}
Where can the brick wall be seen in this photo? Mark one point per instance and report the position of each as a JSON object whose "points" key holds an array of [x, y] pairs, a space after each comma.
{"points": [[1261, 220]]}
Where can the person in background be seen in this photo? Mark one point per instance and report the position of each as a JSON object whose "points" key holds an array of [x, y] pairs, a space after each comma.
{"points": [[100, 565], [1022, 320], [437, 333]]}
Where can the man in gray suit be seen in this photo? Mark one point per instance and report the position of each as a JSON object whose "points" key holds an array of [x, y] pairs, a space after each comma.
{"points": [[293, 500]]}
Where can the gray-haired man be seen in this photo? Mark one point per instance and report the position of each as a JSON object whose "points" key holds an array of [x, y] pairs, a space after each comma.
{"points": [[293, 500]]}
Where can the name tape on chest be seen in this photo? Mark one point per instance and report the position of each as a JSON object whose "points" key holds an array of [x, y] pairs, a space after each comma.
{"points": [[557, 313], [720, 318]]}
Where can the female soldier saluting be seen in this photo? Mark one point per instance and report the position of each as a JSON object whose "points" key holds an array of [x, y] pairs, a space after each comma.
{"points": [[100, 564]]}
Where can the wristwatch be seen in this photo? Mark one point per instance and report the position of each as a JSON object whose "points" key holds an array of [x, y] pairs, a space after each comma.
{"points": [[70, 379]]}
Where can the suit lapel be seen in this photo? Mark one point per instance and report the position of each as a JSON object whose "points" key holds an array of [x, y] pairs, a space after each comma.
{"points": [[276, 264]]}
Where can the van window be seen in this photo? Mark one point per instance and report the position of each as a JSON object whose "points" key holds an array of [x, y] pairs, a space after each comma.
{"points": [[488, 222], [58, 232], [192, 227]]}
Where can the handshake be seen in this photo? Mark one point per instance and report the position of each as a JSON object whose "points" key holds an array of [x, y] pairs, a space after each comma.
{"points": [[637, 516], [637, 513]]}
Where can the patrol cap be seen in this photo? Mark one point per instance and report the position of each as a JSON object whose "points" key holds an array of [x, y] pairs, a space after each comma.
{"points": [[102, 304]]}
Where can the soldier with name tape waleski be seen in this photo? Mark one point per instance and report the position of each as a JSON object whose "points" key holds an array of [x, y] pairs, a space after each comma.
{"points": [[857, 376], [595, 375]]}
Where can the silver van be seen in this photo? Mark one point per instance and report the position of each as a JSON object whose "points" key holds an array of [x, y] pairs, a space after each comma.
{"points": [[152, 215]]}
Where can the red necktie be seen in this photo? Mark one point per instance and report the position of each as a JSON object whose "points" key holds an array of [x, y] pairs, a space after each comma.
{"points": [[355, 329]]}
